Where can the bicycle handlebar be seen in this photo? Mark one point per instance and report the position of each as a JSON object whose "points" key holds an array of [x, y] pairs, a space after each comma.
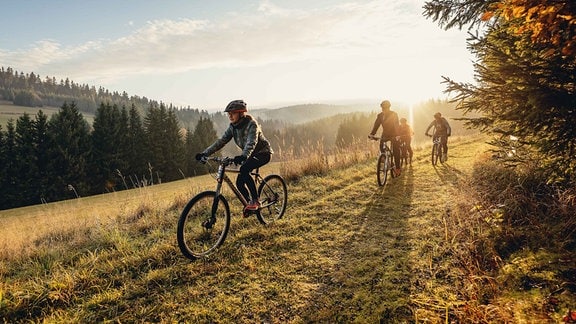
{"points": [[225, 160]]}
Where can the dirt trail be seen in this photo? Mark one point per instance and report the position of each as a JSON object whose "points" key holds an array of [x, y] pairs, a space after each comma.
{"points": [[395, 234]]}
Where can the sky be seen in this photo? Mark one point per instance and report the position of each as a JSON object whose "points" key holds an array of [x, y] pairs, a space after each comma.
{"points": [[271, 53]]}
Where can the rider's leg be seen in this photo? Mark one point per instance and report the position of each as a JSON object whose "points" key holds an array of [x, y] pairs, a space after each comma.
{"points": [[396, 153], [244, 182], [444, 143], [409, 148]]}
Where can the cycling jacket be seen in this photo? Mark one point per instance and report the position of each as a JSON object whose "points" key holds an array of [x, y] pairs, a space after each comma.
{"points": [[247, 135]]}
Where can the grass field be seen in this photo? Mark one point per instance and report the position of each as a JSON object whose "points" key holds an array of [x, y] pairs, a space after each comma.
{"points": [[347, 251], [10, 111]]}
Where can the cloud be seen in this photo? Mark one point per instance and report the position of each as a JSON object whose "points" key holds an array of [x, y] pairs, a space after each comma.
{"points": [[270, 34]]}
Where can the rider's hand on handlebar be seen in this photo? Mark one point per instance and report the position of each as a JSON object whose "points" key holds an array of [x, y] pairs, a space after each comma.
{"points": [[200, 156], [239, 159]]}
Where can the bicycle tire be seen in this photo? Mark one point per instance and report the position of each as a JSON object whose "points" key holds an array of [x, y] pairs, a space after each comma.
{"points": [[435, 154], [273, 196], [382, 167], [198, 233], [403, 155]]}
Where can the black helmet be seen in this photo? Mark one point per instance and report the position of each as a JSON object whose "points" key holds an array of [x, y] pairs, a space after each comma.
{"points": [[236, 106]]}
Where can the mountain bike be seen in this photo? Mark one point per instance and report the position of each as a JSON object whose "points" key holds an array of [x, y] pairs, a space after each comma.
{"points": [[205, 220], [385, 162], [404, 156], [437, 153]]}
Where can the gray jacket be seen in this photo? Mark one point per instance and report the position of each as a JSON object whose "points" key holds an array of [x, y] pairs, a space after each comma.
{"points": [[247, 135]]}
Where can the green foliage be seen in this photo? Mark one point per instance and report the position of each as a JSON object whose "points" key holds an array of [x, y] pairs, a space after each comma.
{"points": [[27, 98], [165, 144], [524, 89], [108, 153], [69, 153], [203, 136]]}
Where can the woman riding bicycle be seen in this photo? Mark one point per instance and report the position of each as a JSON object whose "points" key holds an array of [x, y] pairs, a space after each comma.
{"points": [[406, 133], [389, 121], [442, 130], [256, 150]]}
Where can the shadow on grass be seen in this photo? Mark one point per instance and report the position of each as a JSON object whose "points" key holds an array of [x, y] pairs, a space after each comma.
{"points": [[371, 283]]}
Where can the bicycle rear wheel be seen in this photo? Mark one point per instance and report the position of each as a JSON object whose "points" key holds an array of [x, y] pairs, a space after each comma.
{"points": [[382, 167], [203, 225], [273, 196]]}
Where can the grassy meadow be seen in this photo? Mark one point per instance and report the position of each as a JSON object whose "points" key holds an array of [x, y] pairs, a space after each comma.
{"points": [[346, 251], [10, 111]]}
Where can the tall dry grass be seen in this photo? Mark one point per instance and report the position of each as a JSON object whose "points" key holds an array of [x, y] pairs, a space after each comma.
{"points": [[512, 240]]}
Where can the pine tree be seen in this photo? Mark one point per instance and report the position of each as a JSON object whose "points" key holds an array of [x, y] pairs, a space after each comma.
{"points": [[165, 144], [69, 153], [204, 134], [26, 163], [108, 144], [135, 149], [525, 83], [42, 152], [9, 195]]}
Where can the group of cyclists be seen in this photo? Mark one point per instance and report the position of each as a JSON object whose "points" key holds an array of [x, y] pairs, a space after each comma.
{"points": [[256, 149], [397, 132]]}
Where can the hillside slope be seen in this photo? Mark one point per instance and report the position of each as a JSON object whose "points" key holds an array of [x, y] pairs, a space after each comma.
{"points": [[347, 250]]}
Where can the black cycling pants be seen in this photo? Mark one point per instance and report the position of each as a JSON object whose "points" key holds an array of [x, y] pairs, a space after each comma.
{"points": [[244, 181]]}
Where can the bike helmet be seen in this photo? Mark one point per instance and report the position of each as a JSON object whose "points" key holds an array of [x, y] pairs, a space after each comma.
{"points": [[437, 115], [385, 104], [236, 106]]}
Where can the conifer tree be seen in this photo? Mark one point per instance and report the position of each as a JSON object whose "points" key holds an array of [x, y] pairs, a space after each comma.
{"points": [[9, 179], [135, 148], [26, 163], [69, 153], [165, 144], [107, 149], [525, 76], [42, 148], [204, 134]]}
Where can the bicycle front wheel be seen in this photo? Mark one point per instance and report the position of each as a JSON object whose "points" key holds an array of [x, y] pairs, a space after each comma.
{"points": [[273, 196], [203, 225], [435, 154], [382, 168]]}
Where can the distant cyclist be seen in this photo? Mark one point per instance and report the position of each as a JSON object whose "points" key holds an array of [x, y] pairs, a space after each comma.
{"points": [[442, 130], [406, 133], [388, 119]]}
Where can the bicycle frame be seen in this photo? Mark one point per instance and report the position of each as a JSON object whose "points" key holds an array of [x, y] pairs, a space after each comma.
{"points": [[221, 176]]}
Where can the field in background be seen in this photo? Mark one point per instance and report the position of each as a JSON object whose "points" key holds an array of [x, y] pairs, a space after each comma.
{"points": [[10, 111]]}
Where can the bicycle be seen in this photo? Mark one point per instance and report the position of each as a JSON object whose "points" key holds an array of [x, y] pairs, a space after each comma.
{"points": [[437, 153], [385, 162], [205, 221], [404, 156]]}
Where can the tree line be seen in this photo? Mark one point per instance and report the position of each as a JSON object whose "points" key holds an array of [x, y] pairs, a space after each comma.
{"points": [[43, 160]]}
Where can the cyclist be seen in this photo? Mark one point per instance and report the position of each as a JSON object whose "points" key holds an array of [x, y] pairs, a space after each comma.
{"points": [[256, 150], [388, 119], [406, 133], [441, 129]]}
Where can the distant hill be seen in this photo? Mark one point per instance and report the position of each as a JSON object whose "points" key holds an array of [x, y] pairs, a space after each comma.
{"points": [[299, 114]]}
